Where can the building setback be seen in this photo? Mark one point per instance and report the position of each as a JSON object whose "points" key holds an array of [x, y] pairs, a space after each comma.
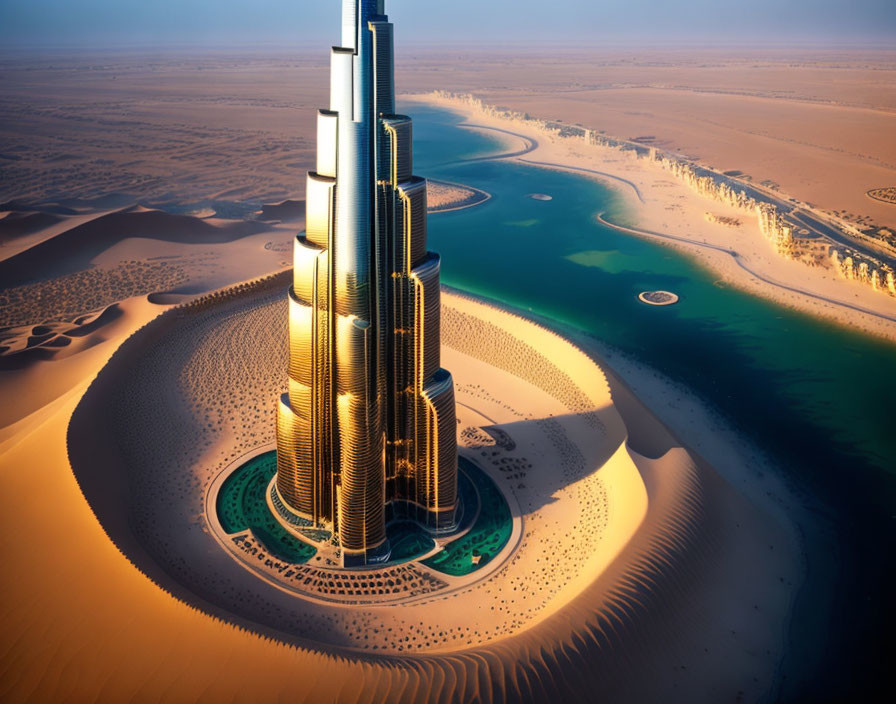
{"points": [[367, 430]]}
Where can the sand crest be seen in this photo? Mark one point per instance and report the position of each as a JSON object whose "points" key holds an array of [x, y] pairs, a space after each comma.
{"points": [[660, 580]]}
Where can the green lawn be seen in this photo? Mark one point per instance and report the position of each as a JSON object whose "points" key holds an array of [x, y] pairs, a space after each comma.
{"points": [[488, 535], [242, 506]]}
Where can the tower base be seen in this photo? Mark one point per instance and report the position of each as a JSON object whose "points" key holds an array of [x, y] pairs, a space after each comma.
{"points": [[368, 558], [434, 522]]}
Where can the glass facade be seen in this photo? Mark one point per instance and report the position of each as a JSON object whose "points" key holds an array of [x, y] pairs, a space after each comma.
{"points": [[369, 418]]}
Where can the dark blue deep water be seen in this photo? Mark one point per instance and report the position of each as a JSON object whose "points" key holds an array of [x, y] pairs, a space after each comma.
{"points": [[817, 398]]}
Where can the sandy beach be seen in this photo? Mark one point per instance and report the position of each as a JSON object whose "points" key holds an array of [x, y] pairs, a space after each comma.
{"points": [[444, 197], [659, 207]]}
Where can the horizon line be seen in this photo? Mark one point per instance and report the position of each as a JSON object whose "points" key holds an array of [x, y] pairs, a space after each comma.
{"points": [[308, 46]]}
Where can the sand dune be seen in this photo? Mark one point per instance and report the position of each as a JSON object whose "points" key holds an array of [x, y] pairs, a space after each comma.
{"points": [[17, 224], [83, 263], [38, 227], [51, 323], [288, 210], [74, 249], [19, 347], [633, 628], [36, 377]]}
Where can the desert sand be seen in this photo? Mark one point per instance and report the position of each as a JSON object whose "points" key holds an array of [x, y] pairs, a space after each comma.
{"points": [[637, 544], [779, 115], [200, 127], [652, 552], [67, 294], [661, 493]]}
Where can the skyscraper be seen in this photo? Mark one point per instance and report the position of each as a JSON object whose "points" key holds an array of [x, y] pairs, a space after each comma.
{"points": [[367, 429]]}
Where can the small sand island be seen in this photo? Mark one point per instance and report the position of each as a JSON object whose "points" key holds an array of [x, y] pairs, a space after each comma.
{"points": [[540, 196], [443, 196], [658, 298]]}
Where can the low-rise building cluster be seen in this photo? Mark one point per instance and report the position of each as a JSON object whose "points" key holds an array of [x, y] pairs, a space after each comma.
{"points": [[854, 267]]}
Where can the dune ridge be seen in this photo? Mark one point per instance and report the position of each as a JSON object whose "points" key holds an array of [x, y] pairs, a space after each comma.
{"points": [[73, 249], [20, 346], [620, 625]]}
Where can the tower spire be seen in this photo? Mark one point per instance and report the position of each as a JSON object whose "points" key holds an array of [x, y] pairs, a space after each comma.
{"points": [[355, 15], [369, 418]]}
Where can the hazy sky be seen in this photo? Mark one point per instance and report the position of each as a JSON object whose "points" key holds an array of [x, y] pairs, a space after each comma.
{"points": [[126, 22]]}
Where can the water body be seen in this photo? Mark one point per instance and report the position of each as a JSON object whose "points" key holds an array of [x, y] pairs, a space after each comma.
{"points": [[817, 397]]}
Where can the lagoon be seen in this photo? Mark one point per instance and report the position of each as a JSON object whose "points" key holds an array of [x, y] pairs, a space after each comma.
{"points": [[816, 397]]}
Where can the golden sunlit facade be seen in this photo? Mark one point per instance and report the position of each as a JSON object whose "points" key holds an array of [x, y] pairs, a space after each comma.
{"points": [[367, 430]]}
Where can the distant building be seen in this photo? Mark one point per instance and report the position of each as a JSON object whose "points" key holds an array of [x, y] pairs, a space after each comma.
{"points": [[368, 428]]}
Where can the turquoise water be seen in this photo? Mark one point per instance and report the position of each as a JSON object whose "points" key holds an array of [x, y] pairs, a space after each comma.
{"points": [[817, 397]]}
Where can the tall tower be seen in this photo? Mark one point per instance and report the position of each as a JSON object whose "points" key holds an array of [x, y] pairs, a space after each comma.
{"points": [[367, 430]]}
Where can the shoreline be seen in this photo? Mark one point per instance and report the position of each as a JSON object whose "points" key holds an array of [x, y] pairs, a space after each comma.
{"points": [[734, 255], [655, 391], [650, 196]]}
